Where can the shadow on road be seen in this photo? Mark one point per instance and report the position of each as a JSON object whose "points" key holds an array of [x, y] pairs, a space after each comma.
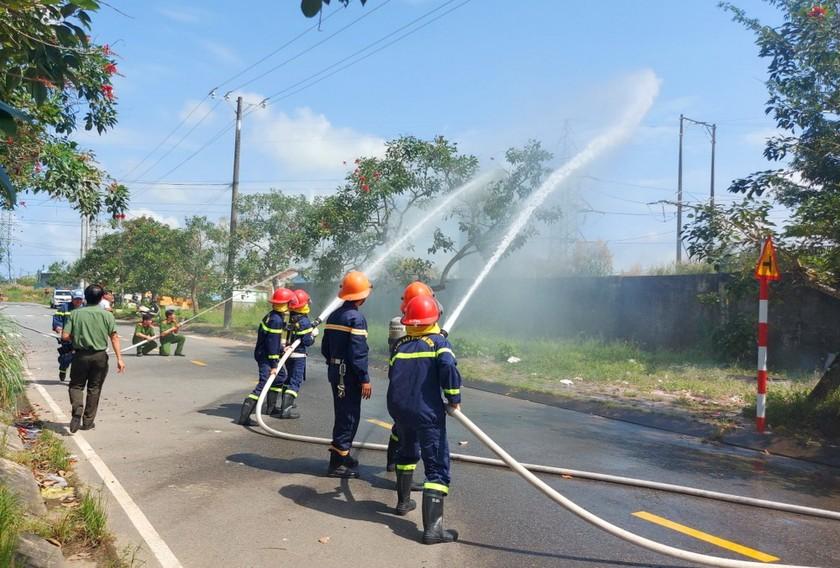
{"points": [[585, 559], [225, 410], [331, 503]]}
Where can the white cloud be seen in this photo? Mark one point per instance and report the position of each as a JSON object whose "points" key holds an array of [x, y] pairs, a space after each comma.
{"points": [[221, 52], [759, 137], [306, 141], [195, 110], [182, 15], [172, 221]]}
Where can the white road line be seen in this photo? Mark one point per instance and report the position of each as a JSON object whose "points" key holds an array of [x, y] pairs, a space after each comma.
{"points": [[156, 544]]}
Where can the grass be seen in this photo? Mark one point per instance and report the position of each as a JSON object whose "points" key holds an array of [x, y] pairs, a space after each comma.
{"points": [[13, 293], [92, 518], [47, 453], [11, 367], [791, 411], [11, 516]]}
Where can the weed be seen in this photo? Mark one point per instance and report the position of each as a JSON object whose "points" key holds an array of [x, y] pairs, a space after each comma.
{"points": [[11, 366], [92, 518], [505, 351], [127, 558], [49, 453], [11, 516]]}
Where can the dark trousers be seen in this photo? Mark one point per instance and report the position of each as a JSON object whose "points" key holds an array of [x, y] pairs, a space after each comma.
{"points": [[296, 371], [428, 442], [348, 410], [65, 355], [264, 368], [88, 372]]}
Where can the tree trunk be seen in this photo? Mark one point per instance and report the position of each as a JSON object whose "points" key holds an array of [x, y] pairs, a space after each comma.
{"points": [[828, 383], [194, 300]]}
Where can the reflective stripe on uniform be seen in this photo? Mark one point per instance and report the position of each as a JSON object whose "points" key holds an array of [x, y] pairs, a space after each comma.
{"points": [[346, 329], [436, 487], [451, 392], [407, 467], [297, 356], [276, 389], [420, 354], [304, 331], [290, 392], [268, 329], [273, 357], [395, 438], [255, 397]]}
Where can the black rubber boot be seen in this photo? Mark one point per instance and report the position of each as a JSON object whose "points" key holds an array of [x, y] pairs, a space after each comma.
{"points": [[340, 468], [75, 423], [62, 374], [393, 446], [286, 412], [404, 501], [433, 531], [271, 403], [247, 410]]}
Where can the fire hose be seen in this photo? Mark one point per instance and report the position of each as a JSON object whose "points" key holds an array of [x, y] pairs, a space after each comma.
{"points": [[525, 470]]}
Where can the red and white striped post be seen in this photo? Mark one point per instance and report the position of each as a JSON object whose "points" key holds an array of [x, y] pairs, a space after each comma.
{"points": [[766, 270]]}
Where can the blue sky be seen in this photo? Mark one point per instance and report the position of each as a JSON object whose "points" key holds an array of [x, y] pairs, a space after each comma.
{"points": [[489, 74]]}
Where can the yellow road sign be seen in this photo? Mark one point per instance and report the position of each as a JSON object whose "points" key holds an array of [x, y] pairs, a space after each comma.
{"points": [[768, 266]]}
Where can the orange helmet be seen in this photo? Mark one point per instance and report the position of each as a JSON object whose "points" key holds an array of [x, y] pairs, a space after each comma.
{"points": [[355, 286], [413, 290], [301, 298], [282, 296], [421, 310]]}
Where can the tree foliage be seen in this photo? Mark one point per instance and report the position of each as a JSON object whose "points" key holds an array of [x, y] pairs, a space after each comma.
{"points": [[52, 71], [482, 218], [804, 100]]}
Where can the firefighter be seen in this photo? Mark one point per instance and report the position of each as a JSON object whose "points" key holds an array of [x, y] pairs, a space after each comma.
{"points": [[346, 351], [299, 328], [65, 348], [422, 371], [267, 352], [414, 289]]}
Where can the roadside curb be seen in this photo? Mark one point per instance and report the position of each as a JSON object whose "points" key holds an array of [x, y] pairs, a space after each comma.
{"points": [[827, 455]]}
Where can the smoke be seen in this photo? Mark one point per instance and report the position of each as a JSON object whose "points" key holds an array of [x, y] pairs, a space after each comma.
{"points": [[646, 88]]}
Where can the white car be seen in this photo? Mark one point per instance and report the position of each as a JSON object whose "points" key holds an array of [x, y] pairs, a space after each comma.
{"points": [[60, 297]]}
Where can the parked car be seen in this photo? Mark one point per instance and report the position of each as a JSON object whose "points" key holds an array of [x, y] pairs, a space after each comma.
{"points": [[60, 297]]}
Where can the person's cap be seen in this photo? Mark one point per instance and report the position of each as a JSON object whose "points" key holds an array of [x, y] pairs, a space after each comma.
{"points": [[77, 295]]}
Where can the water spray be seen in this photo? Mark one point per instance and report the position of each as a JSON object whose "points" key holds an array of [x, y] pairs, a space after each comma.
{"points": [[373, 268], [610, 138]]}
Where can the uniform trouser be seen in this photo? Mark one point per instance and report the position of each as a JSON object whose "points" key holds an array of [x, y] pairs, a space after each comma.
{"points": [[264, 368], [295, 373], [348, 410], [428, 442], [173, 338], [65, 355], [146, 348], [88, 372]]}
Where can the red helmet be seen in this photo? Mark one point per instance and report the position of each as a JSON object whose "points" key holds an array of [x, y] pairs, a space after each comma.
{"points": [[413, 290], [301, 298], [421, 310], [282, 296]]}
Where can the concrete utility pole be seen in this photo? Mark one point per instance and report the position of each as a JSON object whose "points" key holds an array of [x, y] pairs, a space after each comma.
{"points": [[711, 128], [234, 194]]}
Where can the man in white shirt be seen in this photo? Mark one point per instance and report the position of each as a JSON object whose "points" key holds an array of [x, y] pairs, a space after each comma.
{"points": [[107, 301]]}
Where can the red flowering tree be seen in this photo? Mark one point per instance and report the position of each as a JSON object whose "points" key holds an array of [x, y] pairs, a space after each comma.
{"points": [[59, 80]]}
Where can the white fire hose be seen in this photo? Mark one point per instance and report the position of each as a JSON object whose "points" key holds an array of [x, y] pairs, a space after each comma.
{"points": [[523, 470]]}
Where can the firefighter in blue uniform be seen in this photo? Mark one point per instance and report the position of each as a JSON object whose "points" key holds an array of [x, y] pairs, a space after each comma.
{"points": [[346, 350], [422, 372], [300, 327], [65, 348], [267, 353]]}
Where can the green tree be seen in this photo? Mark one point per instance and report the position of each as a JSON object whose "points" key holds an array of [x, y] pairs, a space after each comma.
{"points": [[483, 218], [144, 255], [52, 72], [273, 233], [591, 259], [60, 274], [202, 268], [373, 205], [804, 100]]}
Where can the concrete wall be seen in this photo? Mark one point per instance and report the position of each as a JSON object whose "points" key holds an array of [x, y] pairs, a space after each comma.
{"points": [[673, 312]]}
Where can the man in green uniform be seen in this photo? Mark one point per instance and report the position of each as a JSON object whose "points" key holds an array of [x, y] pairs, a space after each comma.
{"points": [[89, 329], [143, 331], [169, 335]]}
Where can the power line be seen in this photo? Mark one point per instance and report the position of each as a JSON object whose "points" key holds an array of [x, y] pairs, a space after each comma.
{"points": [[285, 92], [307, 50]]}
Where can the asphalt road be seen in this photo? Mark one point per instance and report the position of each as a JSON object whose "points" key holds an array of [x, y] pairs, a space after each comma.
{"points": [[223, 495]]}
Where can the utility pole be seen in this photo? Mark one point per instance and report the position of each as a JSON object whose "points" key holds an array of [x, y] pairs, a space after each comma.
{"points": [[680, 194], [234, 194], [711, 128]]}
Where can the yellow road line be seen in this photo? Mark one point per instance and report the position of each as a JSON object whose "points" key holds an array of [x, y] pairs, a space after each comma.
{"points": [[199, 363], [380, 423], [727, 544]]}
